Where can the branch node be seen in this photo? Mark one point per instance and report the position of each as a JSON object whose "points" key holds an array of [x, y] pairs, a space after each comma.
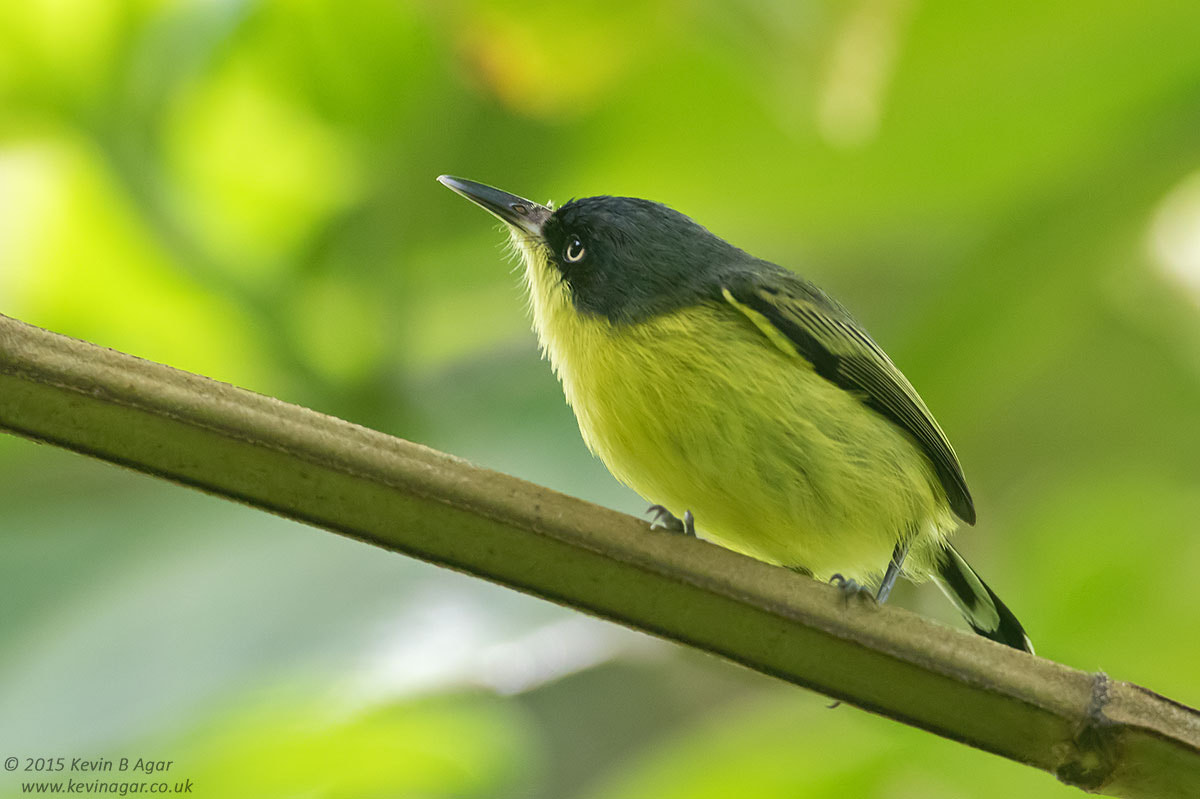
{"points": [[1094, 751]]}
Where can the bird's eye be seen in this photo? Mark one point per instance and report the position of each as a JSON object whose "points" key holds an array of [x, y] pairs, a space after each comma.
{"points": [[574, 251]]}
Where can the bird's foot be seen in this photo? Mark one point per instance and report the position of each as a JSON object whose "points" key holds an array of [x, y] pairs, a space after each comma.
{"points": [[851, 588], [670, 522]]}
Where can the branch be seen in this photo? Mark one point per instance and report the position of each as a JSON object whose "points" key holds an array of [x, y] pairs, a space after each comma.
{"points": [[1089, 731]]}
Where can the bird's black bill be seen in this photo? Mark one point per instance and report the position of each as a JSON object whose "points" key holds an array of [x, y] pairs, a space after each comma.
{"points": [[516, 211]]}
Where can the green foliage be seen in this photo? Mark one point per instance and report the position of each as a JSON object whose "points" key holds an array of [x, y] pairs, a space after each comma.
{"points": [[447, 746], [246, 190]]}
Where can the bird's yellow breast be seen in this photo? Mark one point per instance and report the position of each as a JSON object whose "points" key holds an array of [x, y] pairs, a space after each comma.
{"points": [[698, 410]]}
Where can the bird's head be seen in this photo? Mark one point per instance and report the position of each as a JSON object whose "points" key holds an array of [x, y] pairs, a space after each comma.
{"points": [[621, 258]]}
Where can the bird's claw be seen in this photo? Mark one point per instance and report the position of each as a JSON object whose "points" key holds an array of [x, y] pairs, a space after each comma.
{"points": [[664, 518], [670, 522], [851, 588]]}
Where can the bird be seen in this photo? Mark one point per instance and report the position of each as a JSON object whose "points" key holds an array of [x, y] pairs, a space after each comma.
{"points": [[744, 402]]}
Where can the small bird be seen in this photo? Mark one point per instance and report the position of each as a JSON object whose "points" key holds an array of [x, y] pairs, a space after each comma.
{"points": [[744, 402]]}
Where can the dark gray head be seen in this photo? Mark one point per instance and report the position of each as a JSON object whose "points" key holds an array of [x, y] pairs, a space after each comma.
{"points": [[628, 259], [620, 257]]}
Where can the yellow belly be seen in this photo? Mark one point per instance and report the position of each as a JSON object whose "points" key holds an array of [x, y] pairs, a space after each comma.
{"points": [[773, 460]]}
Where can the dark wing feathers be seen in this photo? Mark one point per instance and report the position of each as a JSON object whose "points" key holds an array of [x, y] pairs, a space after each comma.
{"points": [[841, 352]]}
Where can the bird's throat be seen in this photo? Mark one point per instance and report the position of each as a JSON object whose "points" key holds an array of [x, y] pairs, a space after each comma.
{"points": [[565, 334]]}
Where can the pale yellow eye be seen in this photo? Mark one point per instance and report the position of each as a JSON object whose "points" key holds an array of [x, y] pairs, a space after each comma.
{"points": [[574, 251]]}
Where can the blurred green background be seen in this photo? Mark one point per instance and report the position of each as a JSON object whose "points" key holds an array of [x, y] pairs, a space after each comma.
{"points": [[1008, 197]]}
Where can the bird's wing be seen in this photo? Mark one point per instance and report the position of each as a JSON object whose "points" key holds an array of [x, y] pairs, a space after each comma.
{"points": [[799, 317]]}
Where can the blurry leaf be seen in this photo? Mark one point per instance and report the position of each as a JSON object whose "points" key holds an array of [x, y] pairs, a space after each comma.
{"points": [[552, 59], [62, 49], [789, 744], [338, 328], [84, 264], [1108, 557], [261, 172], [362, 65], [455, 747]]}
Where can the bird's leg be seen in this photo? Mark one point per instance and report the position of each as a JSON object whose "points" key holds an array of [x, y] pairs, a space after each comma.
{"points": [[671, 523], [893, 571]]}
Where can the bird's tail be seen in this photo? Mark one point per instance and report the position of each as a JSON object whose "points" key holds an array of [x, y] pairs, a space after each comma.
{"points": [[979, 605]]}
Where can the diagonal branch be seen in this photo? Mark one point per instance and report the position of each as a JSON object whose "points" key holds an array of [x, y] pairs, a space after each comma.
{"points": [[1099, 734]]}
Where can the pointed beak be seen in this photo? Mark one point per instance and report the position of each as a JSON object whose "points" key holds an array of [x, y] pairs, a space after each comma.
{"points": [[513, 210]]}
